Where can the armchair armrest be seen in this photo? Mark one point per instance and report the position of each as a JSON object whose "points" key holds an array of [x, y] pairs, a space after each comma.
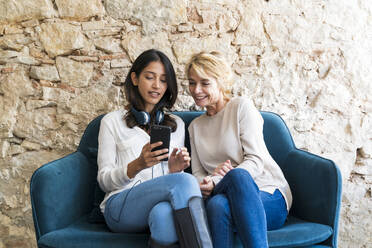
{"points": [[61, 192], [316, 188]]}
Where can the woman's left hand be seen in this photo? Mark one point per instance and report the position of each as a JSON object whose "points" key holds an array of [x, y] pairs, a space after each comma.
{"points": [[223, 168], [178, 161]]}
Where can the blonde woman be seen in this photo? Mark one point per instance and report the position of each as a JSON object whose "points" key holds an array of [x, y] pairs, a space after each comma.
{"points": [[245, 189]]}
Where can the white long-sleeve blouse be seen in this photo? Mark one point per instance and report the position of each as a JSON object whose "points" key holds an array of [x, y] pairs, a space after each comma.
{"points": [[118, 145]]}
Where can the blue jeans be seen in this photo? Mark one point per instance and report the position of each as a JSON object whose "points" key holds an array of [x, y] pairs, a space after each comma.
{"points": [[151, 205], [237, 204]]}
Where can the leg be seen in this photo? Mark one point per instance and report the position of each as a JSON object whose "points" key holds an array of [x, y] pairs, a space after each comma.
{"points": [[161, 224], [246, 207], [220, 221], [128, 211], [275, 209]]}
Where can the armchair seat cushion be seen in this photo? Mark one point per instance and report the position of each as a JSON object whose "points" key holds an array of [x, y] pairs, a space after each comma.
{"points": [[85, 234], [295, 233]]}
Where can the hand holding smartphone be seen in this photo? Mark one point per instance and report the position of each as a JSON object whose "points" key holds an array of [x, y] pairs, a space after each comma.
{"points": [[160, 133]]}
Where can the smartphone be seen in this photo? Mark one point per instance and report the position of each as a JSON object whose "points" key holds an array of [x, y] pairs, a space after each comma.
{"points": [[160, 133]]}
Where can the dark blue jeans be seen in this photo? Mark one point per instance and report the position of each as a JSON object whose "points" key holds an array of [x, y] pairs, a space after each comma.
{"points": [[237, 204]]}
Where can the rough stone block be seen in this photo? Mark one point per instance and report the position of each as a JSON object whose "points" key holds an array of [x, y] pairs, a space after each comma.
{"points": [[26, 60], [250, 31], [79, 9], [184, 49], [36, 124], [134, 44], [10, 42], [76, 74], [4, 147], [30, 145], [17, 84], [20, 10], [228, 21], [55, 94], [61, 38], [108, 45], [117, 63], [8, 113], [30, 23], [153, 13], [95, 25], [185, 27], [11, 29], [16, 149], [46, 72], [8, 54]]}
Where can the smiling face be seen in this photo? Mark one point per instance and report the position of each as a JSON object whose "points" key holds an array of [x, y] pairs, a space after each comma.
{"points": [[151, 84], [205, 90]]}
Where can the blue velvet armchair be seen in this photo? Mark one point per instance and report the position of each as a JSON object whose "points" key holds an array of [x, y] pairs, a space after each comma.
{"points": [[65, 195]]}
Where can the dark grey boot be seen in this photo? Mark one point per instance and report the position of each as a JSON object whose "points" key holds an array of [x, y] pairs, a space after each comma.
{"points": [[154, 244], [192, 225]]}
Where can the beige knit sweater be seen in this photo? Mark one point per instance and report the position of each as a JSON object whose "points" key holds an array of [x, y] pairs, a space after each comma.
{"points": [[235, 133]]}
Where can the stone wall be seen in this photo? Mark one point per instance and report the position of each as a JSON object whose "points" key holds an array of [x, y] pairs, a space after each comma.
{"points": [[63, 62]]}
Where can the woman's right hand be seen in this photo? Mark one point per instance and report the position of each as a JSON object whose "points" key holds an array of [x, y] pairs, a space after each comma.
{"points": [[148, 158], [206, 186]]}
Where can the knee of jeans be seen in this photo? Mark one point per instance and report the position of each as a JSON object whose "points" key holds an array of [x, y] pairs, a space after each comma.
{"points": [[240, 177], [161, 223], [187, 183], [218, 206]]}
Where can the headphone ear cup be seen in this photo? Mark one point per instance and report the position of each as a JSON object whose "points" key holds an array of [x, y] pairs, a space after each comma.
{"points": [[142, 117], [159, 117]]}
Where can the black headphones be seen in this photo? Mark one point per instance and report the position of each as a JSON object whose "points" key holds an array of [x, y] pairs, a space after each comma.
{"points": [[143, 118]]}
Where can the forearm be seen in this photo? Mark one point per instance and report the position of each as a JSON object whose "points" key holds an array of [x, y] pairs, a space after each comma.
{"points": [[112, 178], [253, 164], [134, 168]]}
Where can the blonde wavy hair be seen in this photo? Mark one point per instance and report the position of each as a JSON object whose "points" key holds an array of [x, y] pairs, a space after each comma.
{"points": [[213, 64]]}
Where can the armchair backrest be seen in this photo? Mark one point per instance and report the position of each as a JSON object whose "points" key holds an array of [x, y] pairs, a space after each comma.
{"points": [[277, 137], [89, 141]]}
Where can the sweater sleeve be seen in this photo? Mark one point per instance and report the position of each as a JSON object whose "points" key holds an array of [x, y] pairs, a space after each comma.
{"points": [[111, 176], [250, 124], [197, 169]]}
